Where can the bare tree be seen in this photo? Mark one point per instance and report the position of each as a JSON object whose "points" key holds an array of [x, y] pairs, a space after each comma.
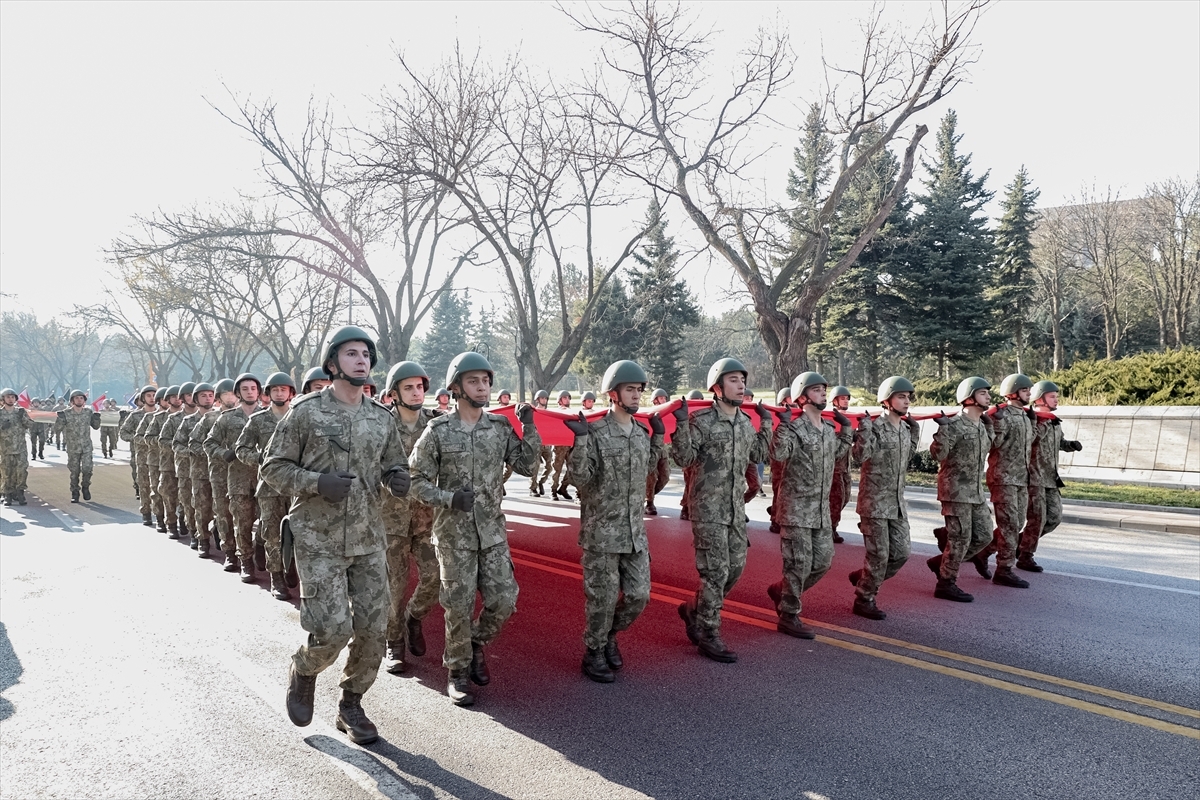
{"points": [[1054, 273], [696, 150], [50, 356], [1166, 242]]}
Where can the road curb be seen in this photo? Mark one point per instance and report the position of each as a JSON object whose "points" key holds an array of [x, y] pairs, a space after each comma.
{"points": [[1179, 523]]}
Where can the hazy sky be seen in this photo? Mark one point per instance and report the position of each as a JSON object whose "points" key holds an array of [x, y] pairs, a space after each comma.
{"points": [[103, 110]]}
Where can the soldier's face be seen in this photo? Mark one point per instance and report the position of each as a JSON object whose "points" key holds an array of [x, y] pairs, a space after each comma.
{"points": [[475, 385], [78, 401], [228, 399], [280, 395], [248, 392], [982, 397], [317, 384], [368, 390], [817, 394], [354, 359], [1021, 397], [629, 394], [733, 386], [542, 402], [564, 402], [412, 391], [900, 402], [658, 401], [589, 403], [147, 400], [10, 400], [443, 401], [205, 399], [187, 400], [504, 400], [1049, 400], [841, 403], [175, 402]]}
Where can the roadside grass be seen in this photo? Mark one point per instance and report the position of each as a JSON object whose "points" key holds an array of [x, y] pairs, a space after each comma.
{"points": [[1103, 492]]}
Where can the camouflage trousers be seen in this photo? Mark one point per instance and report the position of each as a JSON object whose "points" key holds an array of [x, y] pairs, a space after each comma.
{"points": [[616, 589], [546, 461], [14, 471], [220, 502], [168, 487], [80, 467], [156, 500], [887, 542], [183, 478], [37, 441], [141, 474], [839, 496], [403, 552], [244, 509], [560, 466], [720, 561], [1011, 504], [202, 506], [968, 531], [1043, 516], [108, 440], [807, 556], [271, 511], [343, 600], [464, 573], [656, 479]]}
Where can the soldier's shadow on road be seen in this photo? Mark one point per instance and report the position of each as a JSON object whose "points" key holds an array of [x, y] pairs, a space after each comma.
{"points": [[12, 528], [10, 672]]}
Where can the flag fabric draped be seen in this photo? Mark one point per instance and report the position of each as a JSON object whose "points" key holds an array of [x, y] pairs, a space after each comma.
{"points": [[96, 406], [23, 399]]}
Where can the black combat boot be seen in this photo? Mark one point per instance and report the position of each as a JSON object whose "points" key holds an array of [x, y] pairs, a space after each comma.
{"points": [[162, 525], [934, 564], [554, 493], [652, 509], [712, 647], [948, 590], [248, 575], [1006, 577], [21, 497], [940, 535], [688, 615], [838, 538], [172, 531], [395, 657], [301, 689], [260, 557], [416, 637], [563, 493], [181, 523], [479, 668], [202, 548], [541, 488], [147, 521], [459, 689], [868, 609], [595, 667], [792, 626], [279, 589], [74, 497], [980, 560], [1025, 561], [612, 653], [352, 720]]}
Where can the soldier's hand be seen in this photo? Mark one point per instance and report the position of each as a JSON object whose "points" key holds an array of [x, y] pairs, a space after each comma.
{"points": [[229, 456], [464, 497], [763, 412], [525, 414], [942, 419], [999, 413], [681, 413], [578, 425], [335, 486], [784, 414], [399, 482], [656, 425], [1075, 446], [841, 419]]}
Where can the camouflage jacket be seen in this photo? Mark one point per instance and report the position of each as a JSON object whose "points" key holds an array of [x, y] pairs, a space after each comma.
{"points": [[808, 455], [320, 435], [404, 514], [147, 432], [130, 425], [77, 426], [961, 448], [199, 435], [883, 450], [181, 442], [447, 456], [609, 468], [239, 478], [14, 423], [719, 447], [1043, 460], [251, 445], [166, 440], [1012, 440]]}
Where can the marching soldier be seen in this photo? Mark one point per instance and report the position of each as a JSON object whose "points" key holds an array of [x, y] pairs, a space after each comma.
{"points": [[610, 462], [588, 400], [240, 479], [183, 458], [961, 447], [335, 451], [168, 479], [147, 438], [839, 492], [688, 472], [657, 480], [59, 405], [137, 455], [37, 435], [558, 479], [883, 446], [251, 448], [14, 467], [442, 398], [783, 398], [504, 398], [1012, 427], [537, 485], [192, 469], [1045, 502], [314, 381], [409, 525], [807, 448], [108, 432], [456, 467], [718, 441], [217, 482], [76, 424]]}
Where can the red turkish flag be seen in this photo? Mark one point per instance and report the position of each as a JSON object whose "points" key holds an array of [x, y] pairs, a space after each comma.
{"points": [[99, 403], [23, 399]]}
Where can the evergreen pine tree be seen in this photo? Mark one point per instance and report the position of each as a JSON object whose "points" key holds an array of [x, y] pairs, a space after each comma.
{"points": [[1012, 278], [612, 335], [943, 312], [449, 327]]}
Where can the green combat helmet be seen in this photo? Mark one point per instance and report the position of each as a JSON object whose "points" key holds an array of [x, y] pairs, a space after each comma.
{"points": [[783, 395], [695, 394], [542, 394], [588, 396], [403, 371], [1042, 387], [660, 393], [280, 379], [246, 376], [621, 372], [1015, 383], [160, 394], [469, 361], [224, 385], [5, 392], [172, 391], [339, 337], [145, 389], [894, 384], [723, 367], [803, 381], [441, 393], [203, 386], [77, 393], [968, 387], [187, 390], [314, 374], [839, 391]]}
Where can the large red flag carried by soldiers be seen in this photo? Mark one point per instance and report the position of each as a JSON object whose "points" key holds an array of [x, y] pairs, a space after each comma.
{"points": [[23, 399]]}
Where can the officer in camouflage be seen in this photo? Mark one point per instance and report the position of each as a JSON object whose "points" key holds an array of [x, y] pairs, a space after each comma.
{"points": [[76, 424], [883, 446], [137, 457], [610, 461], [409, 525], [168, 482], [961, 447], [1045, 502], [147, 439], [189, 440], [718, 442], [807, 448], [1012, 427], [240, 479], [250, 448], [457, 466], [335, 451], [839, 491], [14, 464]]}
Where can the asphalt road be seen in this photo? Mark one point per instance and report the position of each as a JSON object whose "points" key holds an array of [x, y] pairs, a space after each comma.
{"points": [[129, 668]]}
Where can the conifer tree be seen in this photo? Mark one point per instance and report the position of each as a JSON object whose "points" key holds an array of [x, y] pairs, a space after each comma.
{"points": [[449, 327], [1012, 277]]}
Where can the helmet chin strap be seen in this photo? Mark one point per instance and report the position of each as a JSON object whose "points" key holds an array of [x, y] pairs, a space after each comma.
{"points": [[728, 402], [410, 406], [343, 376], [279, 403], [1015, 400], [476, 403]]}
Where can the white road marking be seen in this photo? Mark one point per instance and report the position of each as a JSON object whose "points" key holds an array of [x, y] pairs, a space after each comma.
{"points": [[1124, 583]]}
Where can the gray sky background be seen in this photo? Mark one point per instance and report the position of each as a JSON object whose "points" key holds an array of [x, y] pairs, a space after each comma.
{"points": [[103, 112]]}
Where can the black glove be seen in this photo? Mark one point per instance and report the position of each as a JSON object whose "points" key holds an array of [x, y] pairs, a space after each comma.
{"points": [[1074, 445], [999, 413], [1029, 412], [525, 414], [656, 425], [464, 498], [841, 419], [784, 414], [942, 419], [578, 425], [681, 413], [335, 486], [988, 421], [399, 481], [229, 456], [763, 412]]}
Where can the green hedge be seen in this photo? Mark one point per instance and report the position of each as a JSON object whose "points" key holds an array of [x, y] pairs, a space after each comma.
{"points": [[1154, 379], [934, 392]]}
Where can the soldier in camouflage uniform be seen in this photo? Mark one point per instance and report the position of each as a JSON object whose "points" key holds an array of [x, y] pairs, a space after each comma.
{"points": [[457, 466], [537, 485], [688, 472], [807, 448], [1045, 503], [658, 477], [783, 398], [610, 460], [335, 451], [240, 479], [141, 489], [147, 439], [168, 480], [314, 380], [108, 432], [14, 466], [839, 491], [558, 479], [718, 442], [442, 398], [192, 462], [409, 526], [76, 424], [961, 447], [213, 500], [37, 435], [883, 446], [183, 459], [250, 448]]}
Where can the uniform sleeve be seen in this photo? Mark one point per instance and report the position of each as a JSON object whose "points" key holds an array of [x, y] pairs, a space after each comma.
{"points": [[845, 437], [658, 451], [865, 441], [783, 442], [60, 422], [423, 465], [179, 442], [684, 444], [129, 428], [943, 441], [212, 442], [393, 455], [761, 448], [281, 467], [95, 420], [523, 451], [582, 461], [247, 448], [196, 438], [914, 432]]}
